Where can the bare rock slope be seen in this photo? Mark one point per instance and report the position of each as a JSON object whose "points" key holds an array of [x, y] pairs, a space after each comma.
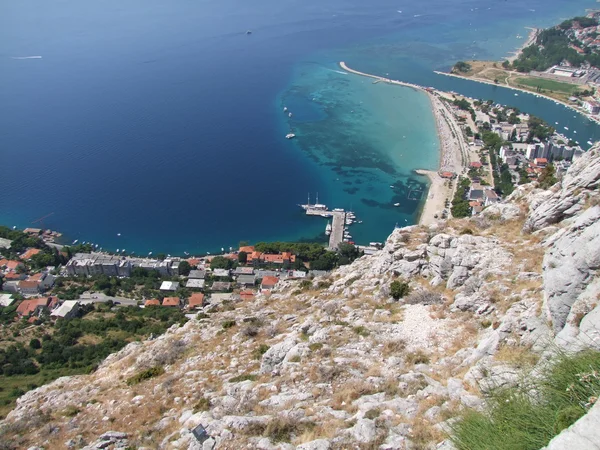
{"points": [[340, 364]]}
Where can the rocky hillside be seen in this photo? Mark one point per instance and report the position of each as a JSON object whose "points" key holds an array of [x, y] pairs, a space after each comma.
{"points": [[339, 364]]}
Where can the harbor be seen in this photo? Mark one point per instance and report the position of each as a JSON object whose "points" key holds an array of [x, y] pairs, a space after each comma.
{"points": [[340, 220]]}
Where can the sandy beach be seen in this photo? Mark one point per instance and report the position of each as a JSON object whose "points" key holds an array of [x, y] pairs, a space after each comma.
{"points": [[454, 151], [533, 34]]}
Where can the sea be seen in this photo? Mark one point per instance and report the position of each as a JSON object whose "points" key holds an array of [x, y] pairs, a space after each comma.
{"points": [[152, 126]]}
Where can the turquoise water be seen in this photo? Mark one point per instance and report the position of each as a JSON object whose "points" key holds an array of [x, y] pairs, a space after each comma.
{"points": [[157, 126], [367, 137]]}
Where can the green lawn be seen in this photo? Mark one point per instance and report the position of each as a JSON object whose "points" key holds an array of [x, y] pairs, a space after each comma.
{"points": [[550, 85]]}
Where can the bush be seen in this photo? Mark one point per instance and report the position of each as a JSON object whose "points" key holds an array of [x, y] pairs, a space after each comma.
{"points": [[361, 331], [35, 344], [398, 289], [228, 324], [261, 350], [514, 418], [145, 375], [243, 377], [203, 404]]}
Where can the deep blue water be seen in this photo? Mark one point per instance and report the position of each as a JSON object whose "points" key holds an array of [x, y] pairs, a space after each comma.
{"points": [[162, 121]]}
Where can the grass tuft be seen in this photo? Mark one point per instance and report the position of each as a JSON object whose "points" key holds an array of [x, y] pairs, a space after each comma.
{"points": [[516, 418]]}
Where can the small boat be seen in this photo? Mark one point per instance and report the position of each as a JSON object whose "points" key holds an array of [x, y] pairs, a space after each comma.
{"points": [[392, 186], [149, 253], [338, 210], [186, 254], [555, 123], [396, 204], [75, 242], [575, 131], [567, 128], [516, 95], [590, 142], [360, 221], [123, 251], [290, 115], [328, 229], [285, 109], [117, 250], [118, 234], [290, 136], [249, 32]]}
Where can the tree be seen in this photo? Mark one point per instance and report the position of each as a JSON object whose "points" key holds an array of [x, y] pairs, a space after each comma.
{"points": [[399, 289], [348, 251], [242, 257], [462, 66], [220, 262], [506, 64], [184, 268], [547, 177], [35, 344]]}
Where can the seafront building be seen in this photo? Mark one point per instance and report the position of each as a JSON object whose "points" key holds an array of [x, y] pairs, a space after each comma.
{"points": [[118, 266]]}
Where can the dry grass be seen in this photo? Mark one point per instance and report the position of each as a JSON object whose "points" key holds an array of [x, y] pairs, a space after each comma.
{"points": [[393, 348], [345, 394], [517, 356]]}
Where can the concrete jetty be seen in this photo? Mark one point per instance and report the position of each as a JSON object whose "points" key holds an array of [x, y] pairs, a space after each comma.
{"points": [[337, 226], [381, 79]]}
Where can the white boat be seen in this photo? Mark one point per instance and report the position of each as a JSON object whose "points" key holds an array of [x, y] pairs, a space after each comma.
{"points": [[338, 210], [74, 242], [290, 115], [590, 142], [575, 131], [118, 234], [290, 136], [396, 204], [360, 221], [567, 128], [392, 187], [328, 229], [285, 109], [349, 221], [117, 250]]}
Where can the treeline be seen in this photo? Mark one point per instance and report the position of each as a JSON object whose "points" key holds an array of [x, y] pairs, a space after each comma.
{"points": [[22, 241], [460, 203], [63, 350]]}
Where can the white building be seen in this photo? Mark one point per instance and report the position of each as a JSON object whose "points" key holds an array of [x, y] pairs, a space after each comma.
{"points": [[169, 286], [67, 310], [6, 299]]}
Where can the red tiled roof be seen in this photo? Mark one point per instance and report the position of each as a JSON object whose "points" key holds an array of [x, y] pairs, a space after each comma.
{"points": [[152, 302], [196, 300], [193, 261], [28, 284], [170, 301], [30, 253], [247, 295], [540, 160], [13, 264], [476, 164], [35, 277], [29, 306], [269, 281], [247, 249], [13, 276]]}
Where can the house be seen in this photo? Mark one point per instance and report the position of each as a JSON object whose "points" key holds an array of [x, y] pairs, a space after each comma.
{"points": [[221, 286], [34, 306], [197, 274], [6, 299], [194, 283], [32, 231], [592, 106], [152, 302], [540, 162], [490, 197], [267, 273], [11, 286], [268, 283], [298, 274], [283, 258], [29, 287], [246, 280], [14, 276], [476, 165], [220, 272], [447, 175], [243, 271], [476, 194], [10, 265], [196, 300], [174, 302], [169, 286], [46, 281], [30, 253], [247, 295], [248, 249], [67, 310]]}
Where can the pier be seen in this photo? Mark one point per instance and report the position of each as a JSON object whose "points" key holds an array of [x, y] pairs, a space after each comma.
{"points": [[382, 79], [337, 227]]}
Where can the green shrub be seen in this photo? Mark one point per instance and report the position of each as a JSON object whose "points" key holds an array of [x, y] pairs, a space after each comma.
{"points": [[243, 377], [228, 324], [315, 346], [155, 371], [261, 350], [71, 411], [361, 331], [515, 419], [399, 289]]}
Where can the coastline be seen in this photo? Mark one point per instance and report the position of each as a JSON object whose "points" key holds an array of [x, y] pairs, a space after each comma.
{"points": [[454, 152], [535, 94], [533, 34]]}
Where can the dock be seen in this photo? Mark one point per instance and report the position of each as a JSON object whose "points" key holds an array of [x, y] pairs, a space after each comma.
{"points": [[337, 227]]}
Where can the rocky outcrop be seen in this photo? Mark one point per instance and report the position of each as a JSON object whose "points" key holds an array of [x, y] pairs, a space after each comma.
{"points": [[570, 263], [547, 208]]}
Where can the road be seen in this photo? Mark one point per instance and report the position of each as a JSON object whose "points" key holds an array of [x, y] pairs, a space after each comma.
{"points": [[99, 297]]}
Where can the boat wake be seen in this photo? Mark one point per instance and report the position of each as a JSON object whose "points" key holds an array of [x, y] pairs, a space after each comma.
{"points": [[25, 57]]}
